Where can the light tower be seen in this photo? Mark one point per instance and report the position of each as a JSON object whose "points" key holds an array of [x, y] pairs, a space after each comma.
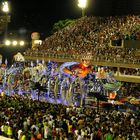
{"points": [[82, 4], [6, 9]]}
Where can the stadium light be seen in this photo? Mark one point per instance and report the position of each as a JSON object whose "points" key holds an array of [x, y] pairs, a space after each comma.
{"points": [[5, 6], [5, 9], [7, 42], [21, 43], [14, 43], [82, 4]]}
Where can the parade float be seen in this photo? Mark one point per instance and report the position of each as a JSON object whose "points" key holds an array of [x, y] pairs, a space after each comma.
{"points": [[69, 83]]}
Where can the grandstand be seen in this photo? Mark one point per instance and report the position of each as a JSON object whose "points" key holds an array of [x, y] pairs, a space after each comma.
{"points": [[113, 41]]}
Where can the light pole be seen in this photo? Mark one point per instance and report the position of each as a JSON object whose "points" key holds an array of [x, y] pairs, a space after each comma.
{"points": [[82, 4], [5, 9]]}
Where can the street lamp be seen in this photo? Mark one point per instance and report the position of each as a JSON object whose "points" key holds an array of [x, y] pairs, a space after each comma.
{"points": [[82, 4], [5, 9]]}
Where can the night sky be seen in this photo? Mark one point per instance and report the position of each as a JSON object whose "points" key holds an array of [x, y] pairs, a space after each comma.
{"points": [[40, 15]]}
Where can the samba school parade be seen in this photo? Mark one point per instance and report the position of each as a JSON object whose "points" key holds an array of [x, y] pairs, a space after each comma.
{"points": [[67, 83]]}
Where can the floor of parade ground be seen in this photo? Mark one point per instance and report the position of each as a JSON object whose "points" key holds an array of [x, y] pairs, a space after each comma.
{"points": [[4, 138]]}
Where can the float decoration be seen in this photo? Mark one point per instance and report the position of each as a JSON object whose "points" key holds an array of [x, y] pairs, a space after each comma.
{"points": [[78, 69], [19, 57]]}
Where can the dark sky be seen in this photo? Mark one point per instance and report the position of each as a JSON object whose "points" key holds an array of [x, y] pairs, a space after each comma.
{"points": [[40, 15]]}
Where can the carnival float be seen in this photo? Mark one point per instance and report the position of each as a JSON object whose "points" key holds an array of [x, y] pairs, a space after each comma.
{"points": [[68, 83]]}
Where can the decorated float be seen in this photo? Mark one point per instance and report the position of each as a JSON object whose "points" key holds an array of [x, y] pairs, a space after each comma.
{"points": [[68, 83]]}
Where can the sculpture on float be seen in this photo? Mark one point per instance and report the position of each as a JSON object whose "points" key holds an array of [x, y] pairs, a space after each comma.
{"points": [[33, 75], [19, 57], [111, 83], [77, 72], [80, 69]]}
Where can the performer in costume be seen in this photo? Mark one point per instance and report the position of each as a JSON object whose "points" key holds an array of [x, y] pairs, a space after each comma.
{"points": [[80, 69]]}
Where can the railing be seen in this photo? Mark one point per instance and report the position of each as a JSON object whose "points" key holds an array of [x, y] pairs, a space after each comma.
{"points": [[65, 58], [127, 78]]}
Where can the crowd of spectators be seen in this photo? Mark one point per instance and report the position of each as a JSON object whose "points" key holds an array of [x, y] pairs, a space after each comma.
{"points": [[130, 89], [130, 71], [125, 71], [25, 119], [116, 55], [93, 34]]}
